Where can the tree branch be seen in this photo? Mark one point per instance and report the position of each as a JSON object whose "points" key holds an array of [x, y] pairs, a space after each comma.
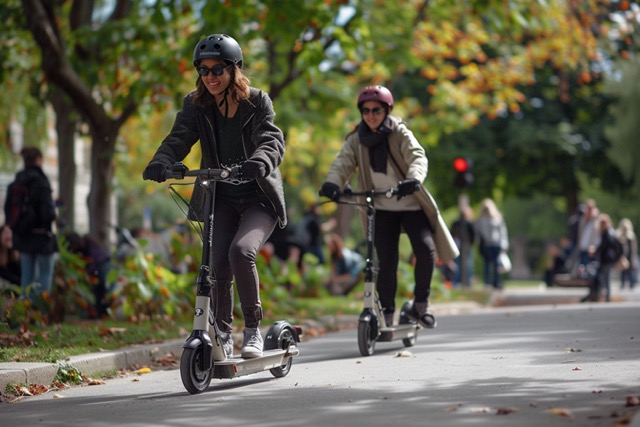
{"points": [[54, 61]]}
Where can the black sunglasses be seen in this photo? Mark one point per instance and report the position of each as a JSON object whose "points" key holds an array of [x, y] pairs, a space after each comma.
{"points": [[216, 70], [375, 111]]}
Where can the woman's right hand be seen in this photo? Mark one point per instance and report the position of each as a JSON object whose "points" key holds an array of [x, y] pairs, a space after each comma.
{"points": [[155, 171]]}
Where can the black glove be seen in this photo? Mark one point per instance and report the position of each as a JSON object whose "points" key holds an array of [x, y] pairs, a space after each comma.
{"points": [[156, 171], [330, 190], [406, 187], [251, 169]]}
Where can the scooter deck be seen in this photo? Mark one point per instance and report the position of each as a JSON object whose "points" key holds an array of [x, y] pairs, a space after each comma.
{"points": [[236, 366], [398, 332]]}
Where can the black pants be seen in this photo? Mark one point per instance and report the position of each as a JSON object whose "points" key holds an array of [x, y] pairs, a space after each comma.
{"points": [[240, 228], [387, 238]]}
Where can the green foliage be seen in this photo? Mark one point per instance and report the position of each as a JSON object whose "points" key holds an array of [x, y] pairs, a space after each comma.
{"points": [[68, 374], [148, 290]]}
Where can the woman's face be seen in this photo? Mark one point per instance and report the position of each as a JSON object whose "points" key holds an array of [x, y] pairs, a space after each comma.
{"points": [[373, 113], [6, 238], [216, 85]]}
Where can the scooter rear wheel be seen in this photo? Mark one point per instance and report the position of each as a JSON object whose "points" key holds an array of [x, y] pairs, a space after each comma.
{"points": [[194, 379], [366, 344], [280, 337]]}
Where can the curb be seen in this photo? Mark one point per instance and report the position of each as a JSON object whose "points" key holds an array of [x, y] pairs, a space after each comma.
{"points": [[92, 364]]}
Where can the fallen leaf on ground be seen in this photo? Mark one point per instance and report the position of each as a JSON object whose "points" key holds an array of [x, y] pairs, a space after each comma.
{"points": [[506, 411], [144, 370], [168, 360], [577, 369], [633, 401], [403, 353], [561, 412]]}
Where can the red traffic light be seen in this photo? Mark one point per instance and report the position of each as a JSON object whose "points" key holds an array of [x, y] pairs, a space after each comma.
{"points": [[461, 164]]}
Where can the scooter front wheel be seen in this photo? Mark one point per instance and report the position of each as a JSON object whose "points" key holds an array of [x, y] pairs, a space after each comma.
{"points": [[366, 344], [194, 379]]}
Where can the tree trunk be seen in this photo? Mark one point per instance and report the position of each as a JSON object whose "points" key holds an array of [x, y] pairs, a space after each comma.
{"points": [[99, 202], [66, 122]]}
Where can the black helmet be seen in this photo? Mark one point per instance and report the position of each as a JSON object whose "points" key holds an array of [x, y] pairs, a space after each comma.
{"points": [[218, 46]]}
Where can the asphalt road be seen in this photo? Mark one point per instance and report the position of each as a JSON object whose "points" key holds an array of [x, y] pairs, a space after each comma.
{"points": [[562, 365]]}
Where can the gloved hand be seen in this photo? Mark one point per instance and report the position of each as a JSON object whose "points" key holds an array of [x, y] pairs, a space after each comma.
{"points": [[155, 171], [406, 187], [252, 169], [330, 190]]}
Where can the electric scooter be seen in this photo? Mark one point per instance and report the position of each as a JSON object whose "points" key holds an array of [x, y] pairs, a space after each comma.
{"points": [[372, 326], [203, 357]]}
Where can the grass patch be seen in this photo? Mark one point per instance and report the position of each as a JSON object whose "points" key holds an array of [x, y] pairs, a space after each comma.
{"points": [[59, 341]]}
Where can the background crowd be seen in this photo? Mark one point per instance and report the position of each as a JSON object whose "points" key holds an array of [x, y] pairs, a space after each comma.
{"points": [[594, 251]]}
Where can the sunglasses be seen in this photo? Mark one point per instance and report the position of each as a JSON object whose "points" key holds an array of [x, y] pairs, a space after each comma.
{"points": [[216, 70], [375, 111]]}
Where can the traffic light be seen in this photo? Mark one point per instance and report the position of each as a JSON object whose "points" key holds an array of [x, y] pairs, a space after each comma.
{"points": [[464, 177]]}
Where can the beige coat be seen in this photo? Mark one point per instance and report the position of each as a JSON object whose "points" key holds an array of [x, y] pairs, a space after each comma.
{"points": [[408, 159]]}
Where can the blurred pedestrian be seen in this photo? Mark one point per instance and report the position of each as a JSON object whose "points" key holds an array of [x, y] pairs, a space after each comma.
{"points": [[9, 257], [386, 154], [346, 266], [494, 239], [464, 234], [629, 264], [588, 234], [33, 233], [556, 262], [234, 124], [604, 256], [98, 265]]}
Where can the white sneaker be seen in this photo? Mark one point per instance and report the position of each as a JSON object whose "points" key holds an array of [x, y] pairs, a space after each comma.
{"points": [[252, 344]]}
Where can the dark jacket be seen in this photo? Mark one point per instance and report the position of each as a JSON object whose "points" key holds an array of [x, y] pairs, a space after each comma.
{"points": [[40, 239], [261, 139], [610, 249]]}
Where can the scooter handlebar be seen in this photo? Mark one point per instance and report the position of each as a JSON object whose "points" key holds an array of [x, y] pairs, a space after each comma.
{"points": [[348, 192], [179, 171]]}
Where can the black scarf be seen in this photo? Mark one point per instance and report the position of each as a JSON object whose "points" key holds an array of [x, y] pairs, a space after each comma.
{"points": [[377, 143]]}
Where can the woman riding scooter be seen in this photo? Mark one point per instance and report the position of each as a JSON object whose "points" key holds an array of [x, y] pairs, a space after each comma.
{"points": [[387, 154]]}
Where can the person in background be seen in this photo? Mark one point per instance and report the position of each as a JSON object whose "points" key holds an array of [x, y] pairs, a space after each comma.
{"points": [[98, 264], [464, 234], [9, 257], [386, 155], [346, 266], [36, 243], [628, 269], [492, 232], [588, 235], [604, 256], [234, 124], [556, 262]]}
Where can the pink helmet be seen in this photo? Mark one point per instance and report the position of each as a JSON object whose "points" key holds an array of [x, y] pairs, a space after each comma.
{"points": [[375, 93]]}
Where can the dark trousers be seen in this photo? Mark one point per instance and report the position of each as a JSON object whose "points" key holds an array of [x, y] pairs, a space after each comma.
{"points": [[491, 272], [387, 238], [240, 228], [601, 282]]}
